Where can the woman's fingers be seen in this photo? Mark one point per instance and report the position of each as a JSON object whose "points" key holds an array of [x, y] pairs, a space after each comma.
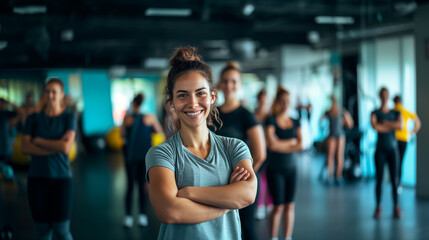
{"points": [[239, 174]]}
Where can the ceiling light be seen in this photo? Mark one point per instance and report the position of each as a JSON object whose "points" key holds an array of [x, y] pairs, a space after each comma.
{"points": [[156, 63], [30, 9], [248, 9], [334, 20], [168, 12]]}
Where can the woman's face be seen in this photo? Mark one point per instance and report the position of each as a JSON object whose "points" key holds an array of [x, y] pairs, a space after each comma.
{"points": [[192, 99], [230, 82], [53, 94], [262, 100], [284, 101], [384, 96]]}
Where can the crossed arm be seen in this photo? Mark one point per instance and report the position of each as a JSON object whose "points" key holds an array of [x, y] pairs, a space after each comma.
{"points": [[192, 205], [283, 146], [43, 147], [386, 126]]}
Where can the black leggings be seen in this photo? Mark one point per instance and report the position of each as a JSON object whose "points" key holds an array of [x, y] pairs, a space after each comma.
{"points": [[50, 199], [282, 184], [247, 218], [51, 204], [136, 171], [391, 156], [402, 147]]}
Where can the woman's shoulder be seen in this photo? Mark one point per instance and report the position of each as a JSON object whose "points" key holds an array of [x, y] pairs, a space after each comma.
{"points": [[226, 141]]}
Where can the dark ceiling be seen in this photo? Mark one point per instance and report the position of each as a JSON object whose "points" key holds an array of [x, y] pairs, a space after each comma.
{"points": [[102, 33]]}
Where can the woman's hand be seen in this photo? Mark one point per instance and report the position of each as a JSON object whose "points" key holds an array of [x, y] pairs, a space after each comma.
{"points": [[239, 174]]}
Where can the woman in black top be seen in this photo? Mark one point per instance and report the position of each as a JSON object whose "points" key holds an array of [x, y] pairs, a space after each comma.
{"points": [[239, 123], [284, 140], [385, 121], [48, 136]]}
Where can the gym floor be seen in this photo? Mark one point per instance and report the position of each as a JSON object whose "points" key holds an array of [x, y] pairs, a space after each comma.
{"points": [[322, 212]]}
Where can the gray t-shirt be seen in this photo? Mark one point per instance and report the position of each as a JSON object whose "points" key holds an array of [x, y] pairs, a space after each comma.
{"points": [[191, 170], [40, 125]]}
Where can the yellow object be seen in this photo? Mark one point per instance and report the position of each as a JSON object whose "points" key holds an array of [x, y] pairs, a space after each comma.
{"points": [[114, 140], [17, 157], [73, 152], [157, 138], [403, 134]]}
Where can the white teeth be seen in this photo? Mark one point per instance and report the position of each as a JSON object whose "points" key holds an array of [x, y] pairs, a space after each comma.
{"points": [[193, 114]]}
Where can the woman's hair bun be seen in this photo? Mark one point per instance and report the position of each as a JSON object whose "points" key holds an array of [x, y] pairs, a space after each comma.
{"points": [[233, 64], [184, 54]]}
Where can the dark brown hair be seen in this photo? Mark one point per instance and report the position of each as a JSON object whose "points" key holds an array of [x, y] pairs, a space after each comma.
{"points": [[397, 99], [275, 109], [261, 93], [232, 65], [187, 60], [55, 80], [138, 99]]}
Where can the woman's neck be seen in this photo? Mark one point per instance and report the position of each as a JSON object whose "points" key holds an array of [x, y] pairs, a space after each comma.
{"points": [[384, 107], [53, 110], [230, 104], [195, 137]]}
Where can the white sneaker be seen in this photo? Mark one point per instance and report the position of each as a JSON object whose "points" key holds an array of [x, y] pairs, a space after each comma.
{"points": [[143, 221], [128, 221], [260, 213]]}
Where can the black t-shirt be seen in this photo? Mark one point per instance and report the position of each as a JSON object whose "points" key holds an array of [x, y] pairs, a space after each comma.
{"points": [[278, 160], [41, 125], [236, 123], [386, 140]]}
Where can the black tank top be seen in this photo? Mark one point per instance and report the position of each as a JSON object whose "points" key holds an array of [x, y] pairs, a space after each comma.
{"points": [[278, 160]]}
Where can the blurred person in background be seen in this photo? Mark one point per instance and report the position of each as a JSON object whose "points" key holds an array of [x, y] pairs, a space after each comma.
{"points": [[239, 123], [136, 131], [385, 122], [403, 135], [284, 140], [336, 140], [47, 137]]}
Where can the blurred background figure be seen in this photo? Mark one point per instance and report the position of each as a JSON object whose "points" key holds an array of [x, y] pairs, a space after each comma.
{"points": [[136, 131], [264, 201], [385, 121], [284, 140], [6, 115], [336, 140], [404, 135], [239, 123], [48, 136]]}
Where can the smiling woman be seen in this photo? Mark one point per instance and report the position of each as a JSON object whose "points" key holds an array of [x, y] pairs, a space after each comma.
{"points": [[197, 179]]}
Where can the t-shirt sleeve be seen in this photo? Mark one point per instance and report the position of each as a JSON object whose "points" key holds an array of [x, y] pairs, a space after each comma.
{"points": [[161, 155], [71, 122], [269, 121], [249, 119], [238, 151], [29, 125]]}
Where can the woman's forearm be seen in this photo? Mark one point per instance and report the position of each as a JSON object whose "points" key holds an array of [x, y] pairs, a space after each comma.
{"points": [[232, 196], [186, 211], [59, 145], [32, 149]]}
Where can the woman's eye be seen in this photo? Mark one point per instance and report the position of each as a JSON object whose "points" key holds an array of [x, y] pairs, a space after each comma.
{"points": [[181, 95], [201, 93]]}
